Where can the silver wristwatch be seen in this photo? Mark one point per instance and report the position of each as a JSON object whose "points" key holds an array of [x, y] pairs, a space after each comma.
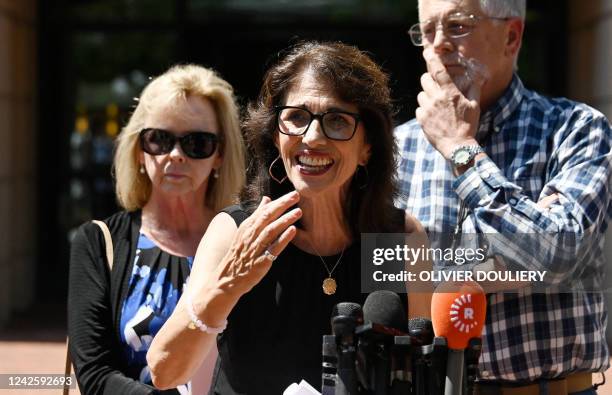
{"points": [[463, 154]]}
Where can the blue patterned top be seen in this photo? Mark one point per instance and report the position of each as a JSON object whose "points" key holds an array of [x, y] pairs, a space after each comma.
{"points": [[155, 286]]}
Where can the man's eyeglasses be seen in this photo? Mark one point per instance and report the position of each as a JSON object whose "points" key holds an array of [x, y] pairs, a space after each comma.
{"points": [[196, 145], [454, 26], [336, 125]]}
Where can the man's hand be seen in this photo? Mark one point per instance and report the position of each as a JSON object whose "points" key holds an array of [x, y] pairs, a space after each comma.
{"points": [[448, 117], [547, 201]]}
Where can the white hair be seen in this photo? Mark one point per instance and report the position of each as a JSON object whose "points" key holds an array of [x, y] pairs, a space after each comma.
{"points": [[501, 8], [504, 8]]}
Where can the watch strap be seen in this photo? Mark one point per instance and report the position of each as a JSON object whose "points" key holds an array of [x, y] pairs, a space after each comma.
{"points": [[472, 151]]}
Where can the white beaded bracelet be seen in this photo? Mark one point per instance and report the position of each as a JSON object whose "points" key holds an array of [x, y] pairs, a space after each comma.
{"points": [[196, 322]]}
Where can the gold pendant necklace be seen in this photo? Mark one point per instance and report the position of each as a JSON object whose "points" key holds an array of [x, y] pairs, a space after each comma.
{"points": [[329, 284]]}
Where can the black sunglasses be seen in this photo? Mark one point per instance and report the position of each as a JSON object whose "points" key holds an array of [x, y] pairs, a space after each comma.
{"points": [[196, 145]]}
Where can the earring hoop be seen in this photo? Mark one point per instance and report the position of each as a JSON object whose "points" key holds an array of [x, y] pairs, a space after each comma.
{"points": [[142, 169], [281, 180], [215, 173]]}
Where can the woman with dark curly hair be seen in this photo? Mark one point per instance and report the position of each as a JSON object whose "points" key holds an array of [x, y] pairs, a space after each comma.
{"points": [[322, 172]]}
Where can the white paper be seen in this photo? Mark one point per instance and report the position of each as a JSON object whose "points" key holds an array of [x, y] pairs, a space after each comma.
{"points": [[302, 389]]}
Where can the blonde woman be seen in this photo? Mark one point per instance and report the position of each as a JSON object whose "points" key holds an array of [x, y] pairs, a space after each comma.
{"points": [[179, 160]]}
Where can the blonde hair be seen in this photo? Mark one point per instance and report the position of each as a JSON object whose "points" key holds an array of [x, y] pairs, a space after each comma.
{"points": [[179, 82]]}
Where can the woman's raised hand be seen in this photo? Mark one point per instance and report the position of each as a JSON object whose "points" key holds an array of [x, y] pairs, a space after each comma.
{"points": [[223, 271], [257, 242]]}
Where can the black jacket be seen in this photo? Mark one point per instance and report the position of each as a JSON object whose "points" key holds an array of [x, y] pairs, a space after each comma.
{"points": [[95, 298]]}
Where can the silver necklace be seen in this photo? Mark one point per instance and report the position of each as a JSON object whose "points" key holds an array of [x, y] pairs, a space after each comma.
{"points": [[329, 284]]}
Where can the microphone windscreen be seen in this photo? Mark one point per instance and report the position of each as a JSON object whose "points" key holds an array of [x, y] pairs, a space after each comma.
{"points": [[345, 317], [458, 312], [385, 308], [421, 329], [419, 324], [347, 309]]}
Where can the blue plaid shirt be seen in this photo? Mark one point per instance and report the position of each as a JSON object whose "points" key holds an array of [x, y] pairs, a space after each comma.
{"points": [[536, 147]]}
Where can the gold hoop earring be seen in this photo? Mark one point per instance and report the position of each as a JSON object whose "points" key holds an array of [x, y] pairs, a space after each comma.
{"points": [[280, 181]]}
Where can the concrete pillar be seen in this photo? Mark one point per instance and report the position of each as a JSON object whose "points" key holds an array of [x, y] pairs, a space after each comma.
{"points": [[17, 155], [590, 76]]}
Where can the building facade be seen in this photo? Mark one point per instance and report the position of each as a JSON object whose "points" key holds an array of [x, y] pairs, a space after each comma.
{"points": [[33, 226]]}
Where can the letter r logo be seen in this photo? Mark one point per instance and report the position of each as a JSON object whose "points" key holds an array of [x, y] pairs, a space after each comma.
{"points": [[463, 313]]}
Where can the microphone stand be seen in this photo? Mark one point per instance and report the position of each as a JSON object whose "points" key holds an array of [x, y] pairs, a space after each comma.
{"points": [[472, 355], [437, 355], [329, 365], [375, 347], [382, 369], [344, 330], [420, 356], [401, 379]]}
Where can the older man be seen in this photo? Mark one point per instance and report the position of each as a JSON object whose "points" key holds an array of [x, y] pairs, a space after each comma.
{"points": [[487, 156]]}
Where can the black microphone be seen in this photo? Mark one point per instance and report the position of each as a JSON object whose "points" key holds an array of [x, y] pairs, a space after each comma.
{"points": [[346, 317], [329, 365], [385, 318], [421, 330]]}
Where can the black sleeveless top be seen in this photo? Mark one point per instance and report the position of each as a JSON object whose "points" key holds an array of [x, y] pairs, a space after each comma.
{"points": [[273, 336]]}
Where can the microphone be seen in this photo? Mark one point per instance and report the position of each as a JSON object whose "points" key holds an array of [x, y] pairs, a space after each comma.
{"points": [[409, 357], [329, 365], [386, 309], [421, 334], [458, 312], [420, 330], [385, 318], [346, 317]]}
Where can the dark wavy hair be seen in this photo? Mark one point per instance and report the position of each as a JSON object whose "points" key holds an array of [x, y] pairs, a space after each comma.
{"points": [[355, 78]]}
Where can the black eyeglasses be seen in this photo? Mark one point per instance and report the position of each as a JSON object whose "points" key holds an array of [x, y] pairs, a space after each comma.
{"points": [[336, 125], [196, 145]]}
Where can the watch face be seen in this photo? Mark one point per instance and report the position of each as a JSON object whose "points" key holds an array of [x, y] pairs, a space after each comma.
{"points": [[461, 157]]}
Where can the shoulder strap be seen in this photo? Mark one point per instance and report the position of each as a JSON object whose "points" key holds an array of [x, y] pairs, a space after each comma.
{"points": [[237, 212], [108, 241], [67, 370]]}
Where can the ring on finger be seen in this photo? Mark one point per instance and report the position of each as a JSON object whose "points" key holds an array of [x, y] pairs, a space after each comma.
{"points": [[269, 255]]}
